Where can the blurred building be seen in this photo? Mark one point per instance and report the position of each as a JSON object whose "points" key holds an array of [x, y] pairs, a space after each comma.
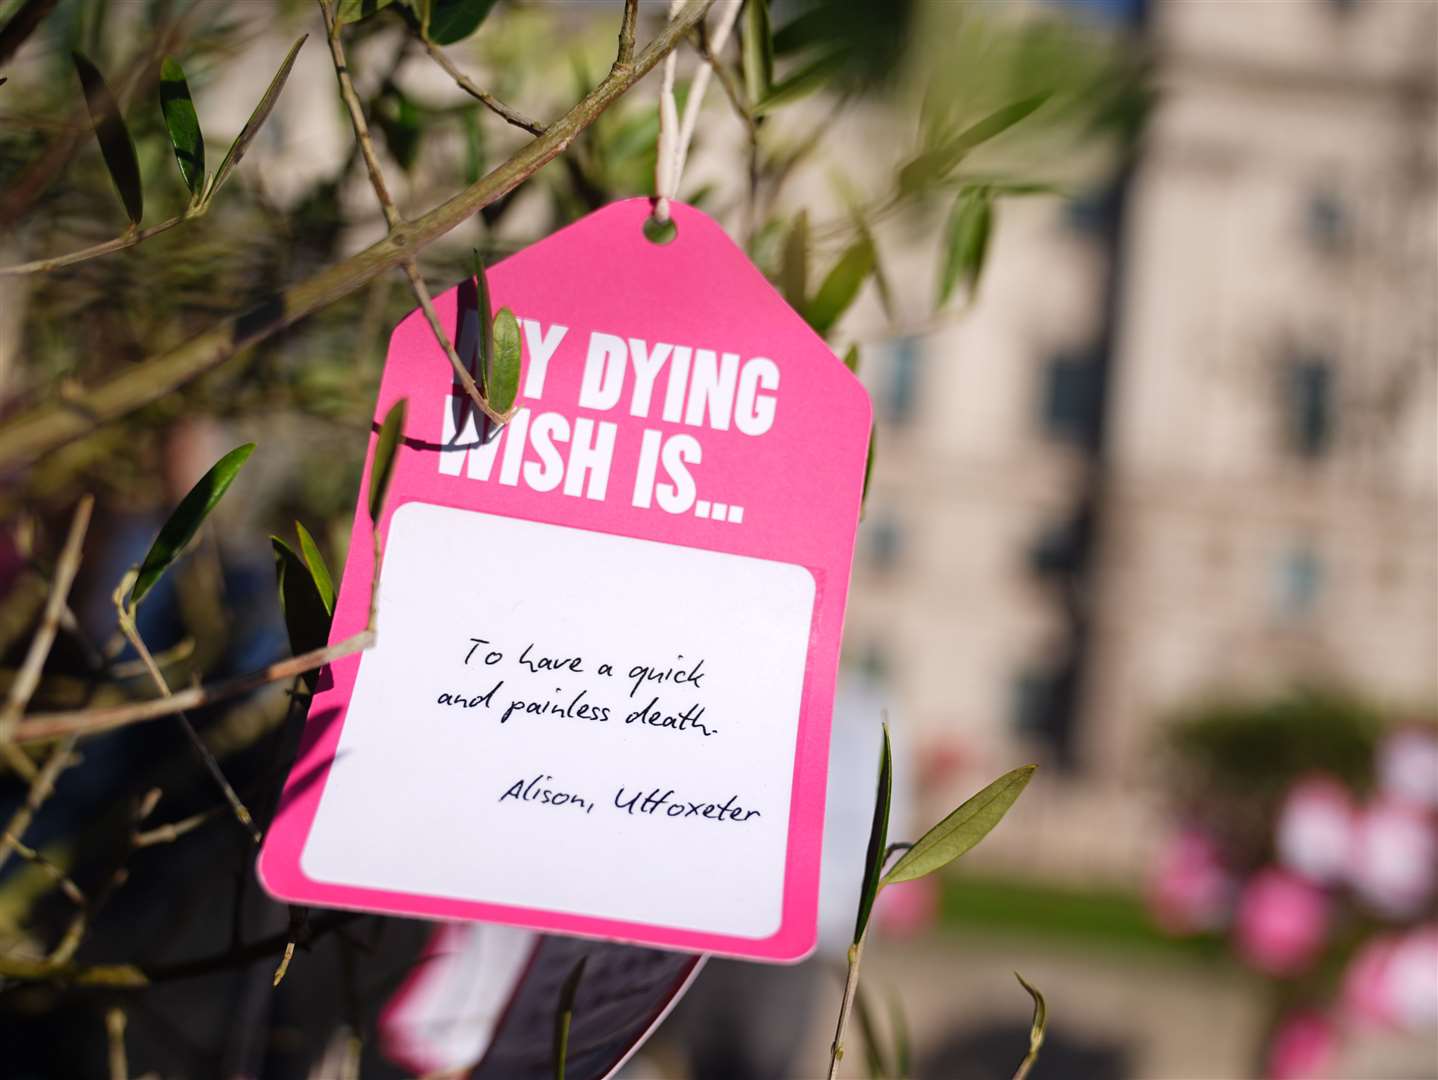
{"points": [[1187, 442]]}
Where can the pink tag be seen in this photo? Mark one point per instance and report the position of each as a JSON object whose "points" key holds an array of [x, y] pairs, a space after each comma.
{"points": [[600, 699]]}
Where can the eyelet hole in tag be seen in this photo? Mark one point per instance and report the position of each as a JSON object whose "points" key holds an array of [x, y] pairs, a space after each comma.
{"points": [[660, 232]]}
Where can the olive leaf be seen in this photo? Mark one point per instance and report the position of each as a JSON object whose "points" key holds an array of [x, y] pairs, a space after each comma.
{"points": [[840, 286], [257, 118], [454, 20], [878, 839], [183, 124], [502, 378], [116, 146], [794, 270], [564, 1016], [307, 616], [390, 433], [966, 241], [758, 50], [874, 1055], [802, 83], [187, 518], [851, 358], [319, 570], [1036, 1030], [963, 829], [935, 164], [349, 11]]}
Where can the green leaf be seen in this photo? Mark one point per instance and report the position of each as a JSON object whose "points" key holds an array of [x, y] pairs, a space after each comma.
{"points": [[401, 122], [349, 11], [455, 20], [878, 839], [1036, 1031], [187, 518], [933, 165], [851, 358], [903, 1054], [881, 280], [963, 829], [967, 242], [258, 117], [873, 1047], [758, 50], [390, 433], [183, 124], [319, 570], [802, 83], [307, 616], [502, 378], [486, 318], [869, 467], [840, 286], [794, 270], [564, 1016], [116, 146]]}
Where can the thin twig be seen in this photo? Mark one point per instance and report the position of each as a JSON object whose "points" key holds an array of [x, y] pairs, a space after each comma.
{"points": [[730, 87], [44, 427], [119, 243], [241, 811], [92, 721], [464, 82], [28, 677], [391, 214], [115, 1030], [466, 380], [58, 876], [357, 119], [626, 34], [851, 986]]}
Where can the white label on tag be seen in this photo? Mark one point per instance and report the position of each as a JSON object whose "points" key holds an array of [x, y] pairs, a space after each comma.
{"points": [[572, 721]]}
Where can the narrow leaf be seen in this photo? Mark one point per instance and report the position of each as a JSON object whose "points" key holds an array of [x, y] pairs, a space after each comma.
{"points": [[935, 164], [967, 241], [881, 280], [878, 839], [390, 433], [873, 1047], [455, 20], [502, 379], [319, 570], [307, 617], [903, 1054], [486, 323], [851, 358], [183, 124], [758, 50], [803, 82], [258, 117], [963, 829], [794, 271], [187, 518], [349, 11], [1036, 1031], [869, 467], [564, 1016], [116, 146], [840, 286]]}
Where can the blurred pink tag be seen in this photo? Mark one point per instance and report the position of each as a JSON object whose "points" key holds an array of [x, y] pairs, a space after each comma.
{"points": [[600, 700]]}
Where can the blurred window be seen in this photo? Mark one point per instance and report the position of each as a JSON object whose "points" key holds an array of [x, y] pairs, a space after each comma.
{"points": [[883, 541], [1327, 222], [1072, 398], [1308, 405], [900, 394], [1299, 582]]}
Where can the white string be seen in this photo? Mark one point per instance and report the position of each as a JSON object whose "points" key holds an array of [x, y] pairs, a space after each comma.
{"points": [[674, 137]]}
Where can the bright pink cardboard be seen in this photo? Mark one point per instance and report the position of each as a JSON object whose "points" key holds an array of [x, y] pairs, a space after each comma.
{"points": [[799, 484]]}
